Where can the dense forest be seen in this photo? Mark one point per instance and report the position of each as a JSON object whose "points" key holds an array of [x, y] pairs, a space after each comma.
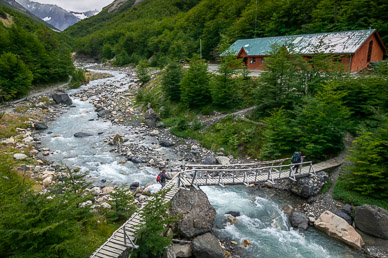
{"points": [[31, 54], [160, 29]]}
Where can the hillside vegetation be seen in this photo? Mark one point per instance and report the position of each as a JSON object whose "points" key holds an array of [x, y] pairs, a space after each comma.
{"points": [[160, 29], [31, 54]]}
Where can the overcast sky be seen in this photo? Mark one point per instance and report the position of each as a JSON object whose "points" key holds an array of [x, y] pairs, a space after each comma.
{"points": [[78, 5]]}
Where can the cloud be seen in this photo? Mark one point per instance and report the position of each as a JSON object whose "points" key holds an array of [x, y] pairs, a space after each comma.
{"points": [[77, 5]]}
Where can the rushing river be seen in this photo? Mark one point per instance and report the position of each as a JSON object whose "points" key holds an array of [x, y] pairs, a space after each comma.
{"points": [[261, 221]]}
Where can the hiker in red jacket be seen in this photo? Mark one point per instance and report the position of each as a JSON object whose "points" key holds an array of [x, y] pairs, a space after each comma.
{"points": [[162, 177]]}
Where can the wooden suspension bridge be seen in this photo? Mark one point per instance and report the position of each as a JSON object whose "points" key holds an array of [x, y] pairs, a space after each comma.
{"points": [[124, 238]]}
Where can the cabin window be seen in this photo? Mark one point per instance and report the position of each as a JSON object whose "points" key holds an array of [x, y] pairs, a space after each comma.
{"points": [[253, 60], [370, 51]]}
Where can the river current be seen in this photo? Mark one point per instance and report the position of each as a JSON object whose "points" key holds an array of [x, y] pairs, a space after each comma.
{"points": [[261, 221]]}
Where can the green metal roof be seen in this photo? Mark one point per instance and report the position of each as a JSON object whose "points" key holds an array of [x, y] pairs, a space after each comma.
{"points": [[343, 42]]}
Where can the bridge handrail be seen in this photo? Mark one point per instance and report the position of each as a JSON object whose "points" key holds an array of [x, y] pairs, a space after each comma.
{"points": [[249, 169], [239, 164]]}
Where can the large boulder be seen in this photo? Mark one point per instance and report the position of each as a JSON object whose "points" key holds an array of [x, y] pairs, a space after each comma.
{"points": [[40, 126], [62, 98], [197, 213], [207, 246], [307, 187], [151, 118], [338, 228], [299, 220], [209, 160], [372, 220]]}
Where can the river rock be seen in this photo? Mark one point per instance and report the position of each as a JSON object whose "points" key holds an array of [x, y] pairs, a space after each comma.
{"points": [[135, 160], [347, 208], [62, 98], [47, 181], [10, 140], [232, 219], [372, 220], [198, 214], [209, 160], [222, 160], [344, 216], [207, 246], [20, 156], [338, 228], [106, 205], [233, 213], [96, 190], [151, 118], [103, 113], [287, 209], [82, 135], [107, 189], [166, 143], [182, 250], [299, 220], [307, 187], [134, 185], [40, 126]]}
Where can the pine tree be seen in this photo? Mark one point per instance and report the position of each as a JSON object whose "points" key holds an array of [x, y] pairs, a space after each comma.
{"points": [[171, 81], [195, 85]]}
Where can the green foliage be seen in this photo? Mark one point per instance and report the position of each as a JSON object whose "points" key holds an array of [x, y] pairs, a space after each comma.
{"points": [[279, 136], [342, 192], [171, 81], [223, 85], [31, 53], [368, 173], [122, 205], [152, 238], [195, 85], [15, 78], [321, 123], [280, 85], [43, 225], [364, 95], [142, 72], [78, 78]]}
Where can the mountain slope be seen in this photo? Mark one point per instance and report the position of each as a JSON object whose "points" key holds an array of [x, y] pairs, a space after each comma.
{"points": [[161, 29], [53, 14], [30, 54], [15, 6]]}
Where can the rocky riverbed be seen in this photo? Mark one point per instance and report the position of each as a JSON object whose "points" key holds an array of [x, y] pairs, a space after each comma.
{"points": [[140, 141]]}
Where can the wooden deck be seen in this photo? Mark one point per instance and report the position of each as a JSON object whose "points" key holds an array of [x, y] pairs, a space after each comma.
{"points": [[119, 243]]}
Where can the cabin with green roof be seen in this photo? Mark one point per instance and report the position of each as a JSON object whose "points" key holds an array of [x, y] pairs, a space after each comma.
{"points": [[355, 49]]}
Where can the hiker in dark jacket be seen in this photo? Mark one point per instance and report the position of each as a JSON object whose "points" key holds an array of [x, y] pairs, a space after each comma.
{"points": [[162, 177], [295, 159]]}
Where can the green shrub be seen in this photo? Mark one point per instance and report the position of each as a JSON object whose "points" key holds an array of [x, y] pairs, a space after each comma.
{"points": [[342, 192], [171, 81], [122, 205], [368, 173], [142, 72], [195, 85], [78, 78], [15, 77], [152, 236]]}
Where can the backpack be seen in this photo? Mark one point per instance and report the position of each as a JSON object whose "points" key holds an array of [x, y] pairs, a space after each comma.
{"points": [[158, 179], [296, 157]]}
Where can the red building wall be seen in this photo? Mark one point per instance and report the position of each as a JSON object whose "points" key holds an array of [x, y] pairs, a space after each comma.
{"points": [[360, 58]]}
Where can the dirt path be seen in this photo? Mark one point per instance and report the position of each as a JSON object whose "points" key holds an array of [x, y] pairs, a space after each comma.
{"points": [[240, 113]]}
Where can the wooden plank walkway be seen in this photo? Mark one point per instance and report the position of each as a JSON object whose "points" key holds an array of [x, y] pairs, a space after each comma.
{"points": [[117, 245], [124, 238]]}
